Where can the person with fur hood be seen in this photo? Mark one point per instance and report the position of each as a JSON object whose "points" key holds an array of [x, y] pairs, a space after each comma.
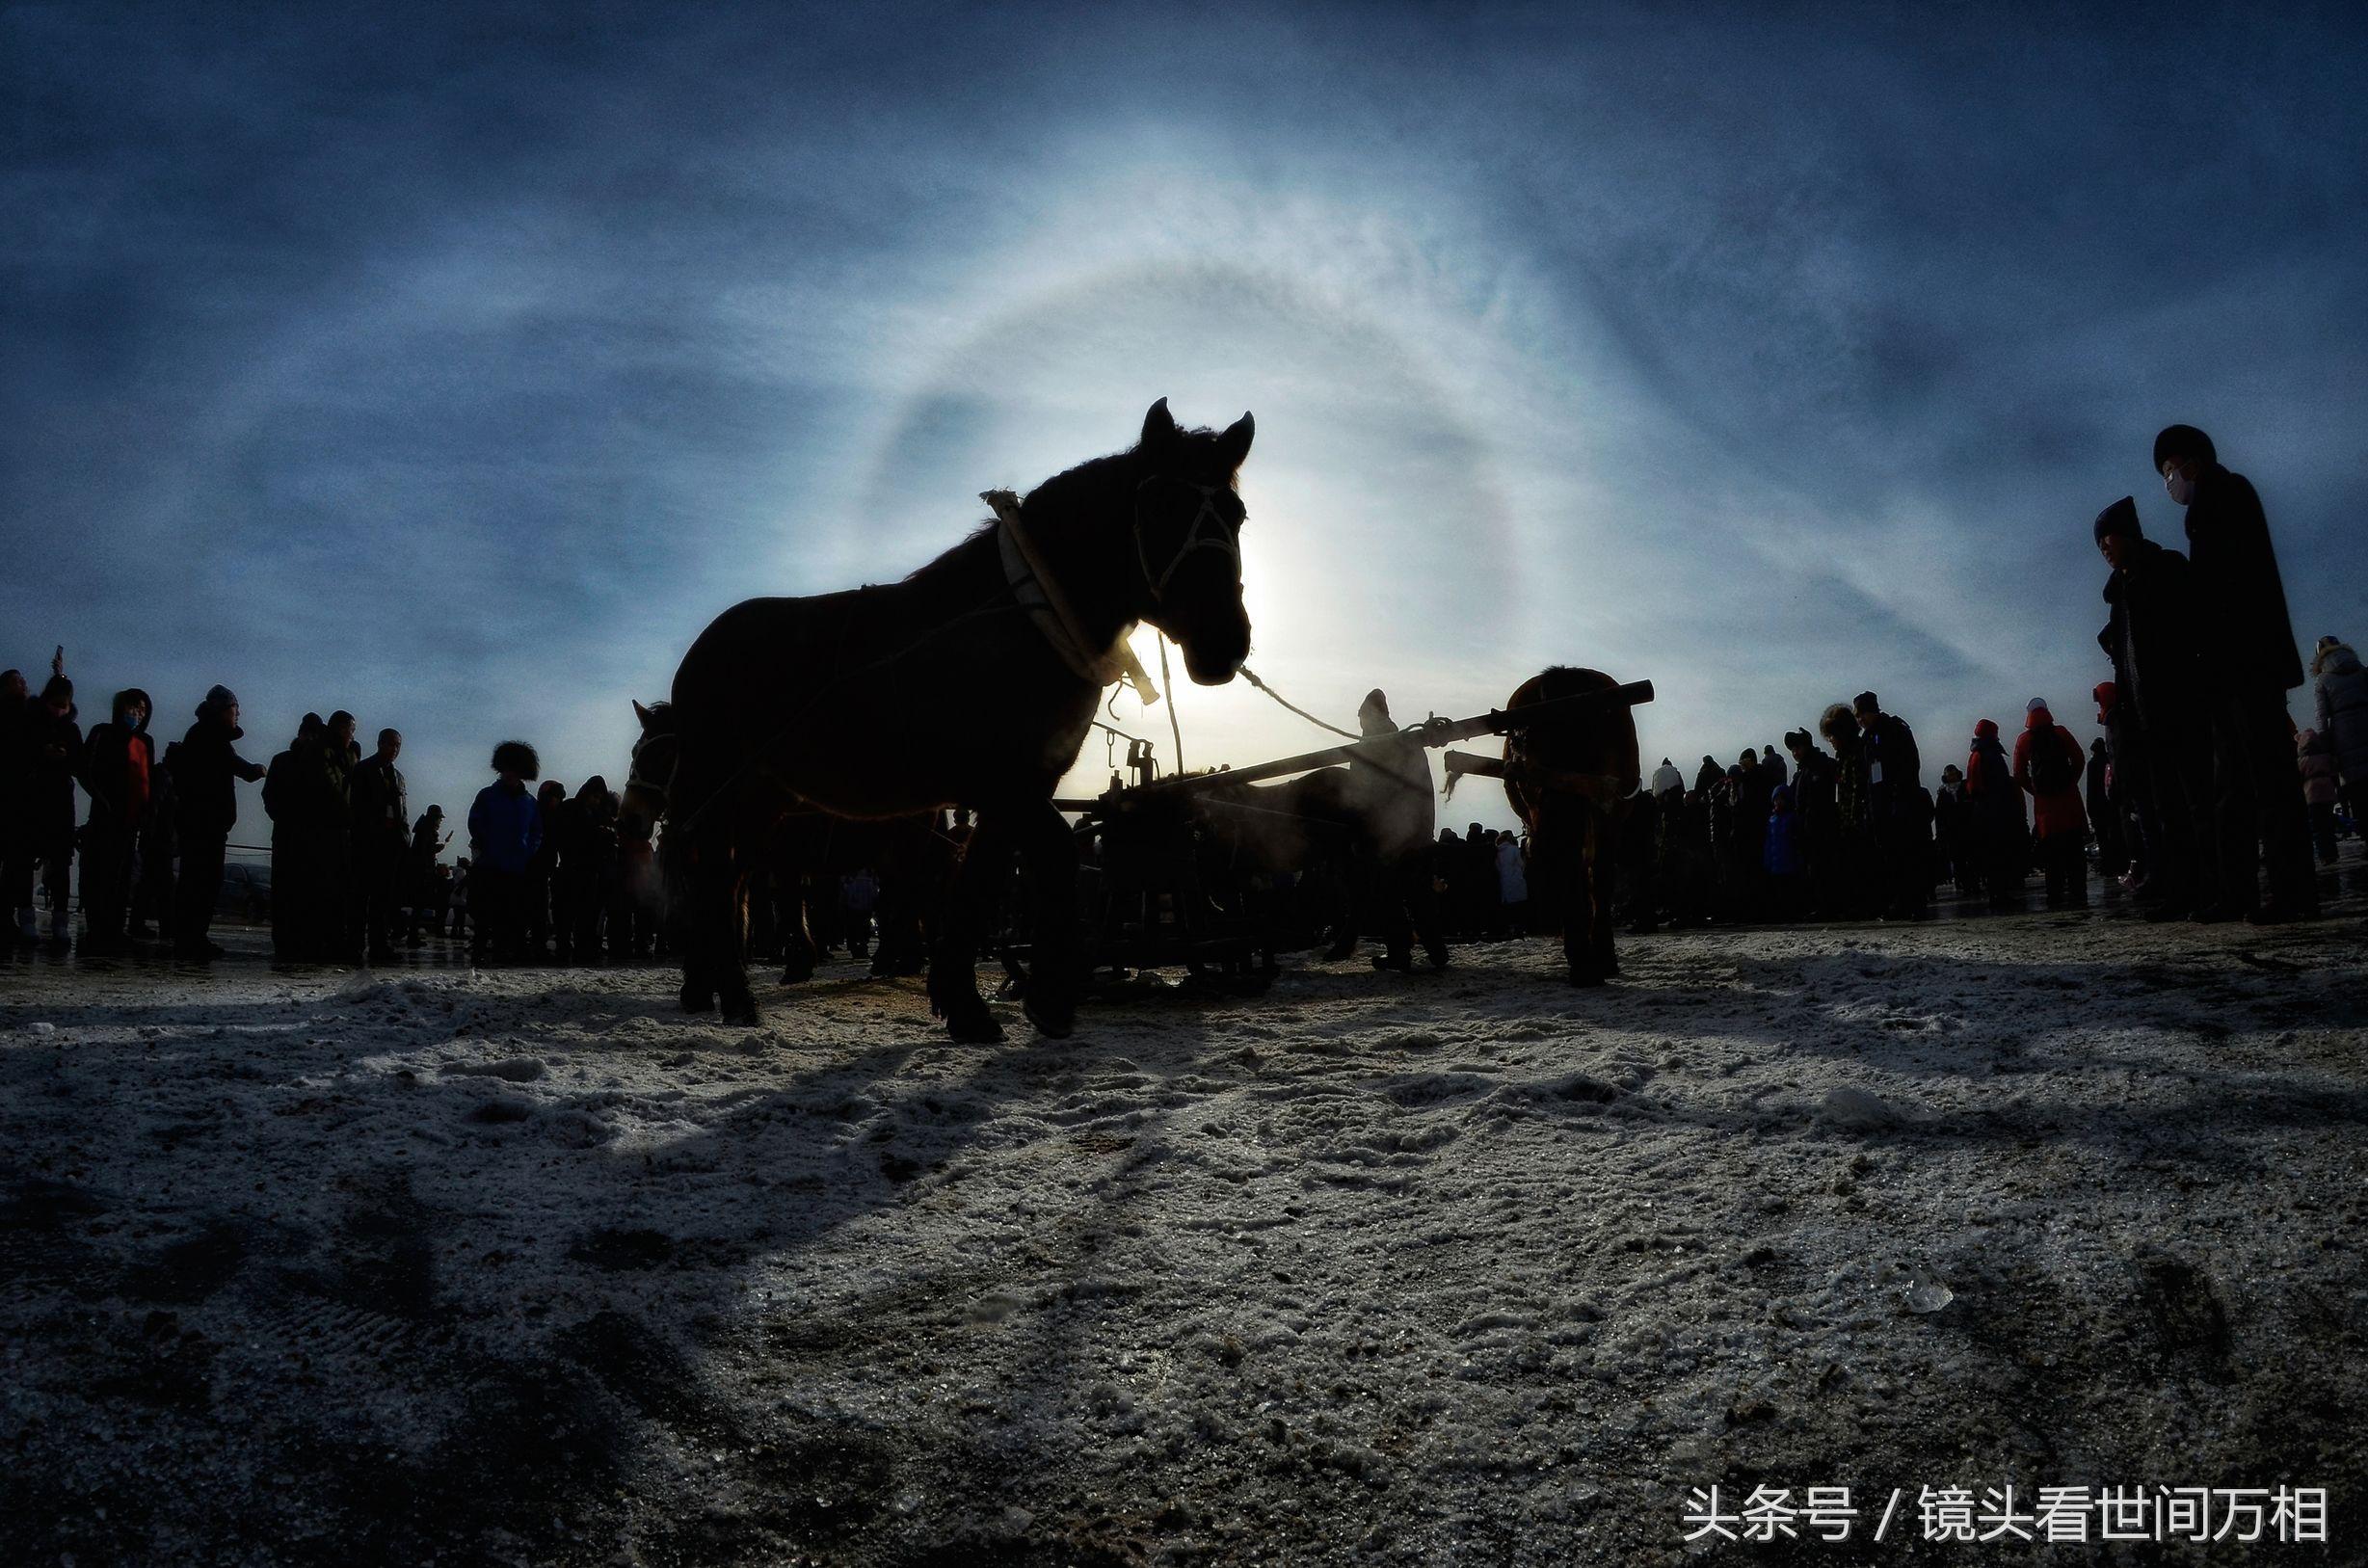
{"points": [[2341, 694], [2047, 764]]}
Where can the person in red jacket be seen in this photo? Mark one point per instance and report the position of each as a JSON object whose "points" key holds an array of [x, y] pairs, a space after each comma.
{"points": [[1999, 826], [2048, 764], [117, 770]]}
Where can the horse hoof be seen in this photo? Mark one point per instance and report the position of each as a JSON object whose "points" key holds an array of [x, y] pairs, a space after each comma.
{"points": [[692, 1003], [1054, 1021], [742, 1017], [1585, 977], [975, 1029], [796, 976]]}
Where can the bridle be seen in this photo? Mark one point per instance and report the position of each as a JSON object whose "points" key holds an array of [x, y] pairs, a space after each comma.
{"points": [[636, 782], [1208, 531]]}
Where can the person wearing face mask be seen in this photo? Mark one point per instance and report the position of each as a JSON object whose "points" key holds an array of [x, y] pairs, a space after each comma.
{"points": [[2246, 662], [118, 765]]}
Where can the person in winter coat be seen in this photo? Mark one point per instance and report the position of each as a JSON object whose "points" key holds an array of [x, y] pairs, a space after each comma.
{"points": [[2247, 663], [1857, 886], [1954, 839], [2131, 811], [1640, 839], [2096, 794], [152, 898], [2322, 782], [2160, 727], [1903, 821], [542, 890], [2047, 766], [206, 772], [52, 751], [1391, 784], [1814, 822], [426, 889], [1666, 778], [505, 828], [2341, 697], [2000, 822], [16, 797], [293, 788], [117, 766], [1513, 883], [380, 844], [1780, 857]]}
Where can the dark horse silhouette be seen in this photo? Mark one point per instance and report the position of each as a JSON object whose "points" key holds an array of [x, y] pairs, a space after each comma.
{"points": [[1570, 780], [972, 682]]}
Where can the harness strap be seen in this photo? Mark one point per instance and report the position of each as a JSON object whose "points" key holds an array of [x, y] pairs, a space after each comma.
{"points": [[1039, 593]]}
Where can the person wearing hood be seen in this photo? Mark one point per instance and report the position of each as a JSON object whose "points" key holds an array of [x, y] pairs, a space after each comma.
{"points": [[1391, 781], [2159, 731], [2047, 766], [206, 772], [2315, 755], [1666, 778], [2000, 824], [2246, 662], [2340, 696], [118, 767], [52, 745]]}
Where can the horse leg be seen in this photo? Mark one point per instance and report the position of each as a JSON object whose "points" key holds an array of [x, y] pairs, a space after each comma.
{"points": [[1600, 854], [972, 888], [1573, 882], [719, 929], [1051, 851], [797, 943]]}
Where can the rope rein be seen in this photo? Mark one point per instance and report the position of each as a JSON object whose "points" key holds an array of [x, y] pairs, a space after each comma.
{"points": [[1251, 676]]}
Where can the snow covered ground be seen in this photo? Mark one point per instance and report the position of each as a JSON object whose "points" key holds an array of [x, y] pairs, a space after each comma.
{"points": [[432, 1264]]}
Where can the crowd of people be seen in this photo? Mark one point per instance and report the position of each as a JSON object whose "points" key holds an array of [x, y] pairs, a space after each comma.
{"points": [[2198, 790], [354, 876], [2198, 782]]}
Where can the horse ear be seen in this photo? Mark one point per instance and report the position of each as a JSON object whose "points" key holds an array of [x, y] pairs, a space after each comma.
{"points": [[1234, 445], [1158, 426], [642, 713]]}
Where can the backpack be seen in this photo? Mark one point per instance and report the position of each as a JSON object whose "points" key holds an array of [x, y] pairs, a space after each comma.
{"points": [[2051, 767]]}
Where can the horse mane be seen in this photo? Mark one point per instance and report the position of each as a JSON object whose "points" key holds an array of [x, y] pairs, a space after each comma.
{"points": [[1061, 499]]}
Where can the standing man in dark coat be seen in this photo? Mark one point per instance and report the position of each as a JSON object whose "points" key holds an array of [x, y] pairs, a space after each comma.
{"points": [[1903, 821], [206, 769], [382, 834], [2160, 733], [1390, 783], [2247, 662]]}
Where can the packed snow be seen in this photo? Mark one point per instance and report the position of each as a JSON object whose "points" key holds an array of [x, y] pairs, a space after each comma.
{"points": [[522, 1265]]}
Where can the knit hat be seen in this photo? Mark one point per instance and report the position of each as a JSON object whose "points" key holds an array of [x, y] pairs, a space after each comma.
{"points": [[1986, 730], [217, 698], [2120, 517], [2037, 705]]}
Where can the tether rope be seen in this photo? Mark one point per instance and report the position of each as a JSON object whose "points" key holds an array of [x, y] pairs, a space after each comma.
{"points": [[1251, 677]]}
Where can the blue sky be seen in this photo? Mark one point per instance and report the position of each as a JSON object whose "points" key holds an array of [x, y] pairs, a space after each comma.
{"points": [[457, 369]]}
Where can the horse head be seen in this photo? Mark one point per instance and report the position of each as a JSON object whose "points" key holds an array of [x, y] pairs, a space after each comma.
{"points": [[651, 771], [1188, 528]]}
